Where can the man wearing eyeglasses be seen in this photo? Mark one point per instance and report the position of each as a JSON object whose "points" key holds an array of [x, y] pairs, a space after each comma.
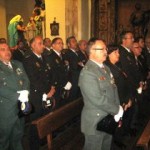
{"points": [[128, 64], [59, 70], [99, 95], [127, 60]]}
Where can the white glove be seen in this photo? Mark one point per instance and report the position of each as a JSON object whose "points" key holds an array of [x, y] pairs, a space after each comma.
{"points": [[44, 97], [119, 115], [68, 86], [139, 90], [23, 97]]}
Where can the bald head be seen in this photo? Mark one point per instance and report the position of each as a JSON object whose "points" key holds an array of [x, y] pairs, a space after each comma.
{"points": [[37, 45], [82, 45]]}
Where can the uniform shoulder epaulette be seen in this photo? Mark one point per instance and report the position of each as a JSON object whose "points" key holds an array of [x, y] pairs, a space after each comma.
{"points": [[50, 52], [28, 55]]}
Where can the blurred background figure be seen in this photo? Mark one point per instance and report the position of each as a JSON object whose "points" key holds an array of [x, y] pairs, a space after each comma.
{"points": [[47, 44], [13, 28], [83, 57], [3, 40], [137, 21], [75, 66], [19, 53], [124, 92], [38, 21], [30, 29]]}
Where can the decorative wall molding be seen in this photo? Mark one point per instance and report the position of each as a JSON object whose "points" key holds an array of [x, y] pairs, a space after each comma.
{"points": [[103, 20]]}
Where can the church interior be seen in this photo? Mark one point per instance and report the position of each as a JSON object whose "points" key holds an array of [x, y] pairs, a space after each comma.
{"points": [[60, 128]]}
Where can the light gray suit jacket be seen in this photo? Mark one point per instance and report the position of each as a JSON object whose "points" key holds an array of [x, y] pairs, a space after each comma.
{"points": [[99, 95]]}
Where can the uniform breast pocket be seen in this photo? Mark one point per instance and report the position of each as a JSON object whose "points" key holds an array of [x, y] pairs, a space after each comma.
{"points": [[3, 81], [104, 83], [105, 86]]}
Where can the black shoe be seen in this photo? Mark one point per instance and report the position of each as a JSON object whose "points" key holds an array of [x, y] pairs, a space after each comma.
{"points": [[120, 144]]}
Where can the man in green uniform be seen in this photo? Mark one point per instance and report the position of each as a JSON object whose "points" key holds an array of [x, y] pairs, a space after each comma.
{"points": [[14, 86], [100, 97]]}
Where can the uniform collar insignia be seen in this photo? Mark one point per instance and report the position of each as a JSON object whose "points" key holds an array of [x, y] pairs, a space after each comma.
{"points": [[57, 61], [102, 78], [38, 65], [18, 71]]}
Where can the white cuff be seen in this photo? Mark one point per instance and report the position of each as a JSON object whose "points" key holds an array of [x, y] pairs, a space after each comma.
{"points": [[44, 97], [68, 86], [119, 114], [23, 97], [139, 90]]}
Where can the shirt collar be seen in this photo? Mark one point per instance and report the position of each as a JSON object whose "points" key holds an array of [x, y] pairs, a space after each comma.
{"points": [[57, 52], [73, 50], [39, 56], [100, 65], [127, 49], [48, 48], [8, 64]]}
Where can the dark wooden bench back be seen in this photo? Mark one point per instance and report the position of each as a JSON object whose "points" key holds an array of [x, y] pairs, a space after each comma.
{"points": [[144, 139], [52, 121]]}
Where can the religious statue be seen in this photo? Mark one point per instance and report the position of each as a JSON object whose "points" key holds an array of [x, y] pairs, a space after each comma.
{"points": [[140, 21], [137, 21], [30, 29], [38, 21], [15, 25]]}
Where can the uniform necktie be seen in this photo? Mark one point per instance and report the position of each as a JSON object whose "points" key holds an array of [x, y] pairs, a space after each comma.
{"points": [[103, 68], [76, 53], [60, 56], [40, 58], [9, 66]]}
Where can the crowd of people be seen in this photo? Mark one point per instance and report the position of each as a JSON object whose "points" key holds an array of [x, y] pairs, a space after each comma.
{"points": [[111, 78]]}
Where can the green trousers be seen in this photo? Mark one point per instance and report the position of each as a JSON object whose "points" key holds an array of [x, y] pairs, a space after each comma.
{"points": [[11, 135]]}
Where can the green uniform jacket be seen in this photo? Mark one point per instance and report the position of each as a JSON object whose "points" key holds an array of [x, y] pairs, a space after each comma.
{"points": [[99, 95], [11, 81]]}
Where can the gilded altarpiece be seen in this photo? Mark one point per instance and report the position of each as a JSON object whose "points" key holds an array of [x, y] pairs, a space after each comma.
{"points": [[103, 20]]}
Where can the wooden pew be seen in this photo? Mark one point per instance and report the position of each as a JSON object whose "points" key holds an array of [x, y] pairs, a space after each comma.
{"points": [[52, 121], [144, 140]]}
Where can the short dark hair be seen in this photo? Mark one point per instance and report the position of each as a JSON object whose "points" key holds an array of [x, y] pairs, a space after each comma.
{"points": [[123, 34], [46, 39], [69, 38], [91, 42], [112, 47], [19, 41], [138, 38], [37, 11], [3, 40], [55, 39]]}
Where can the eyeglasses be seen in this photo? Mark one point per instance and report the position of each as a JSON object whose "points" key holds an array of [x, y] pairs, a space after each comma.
{"points": [[130, 38], [101, 49], [59, 43], [137, 47]]}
